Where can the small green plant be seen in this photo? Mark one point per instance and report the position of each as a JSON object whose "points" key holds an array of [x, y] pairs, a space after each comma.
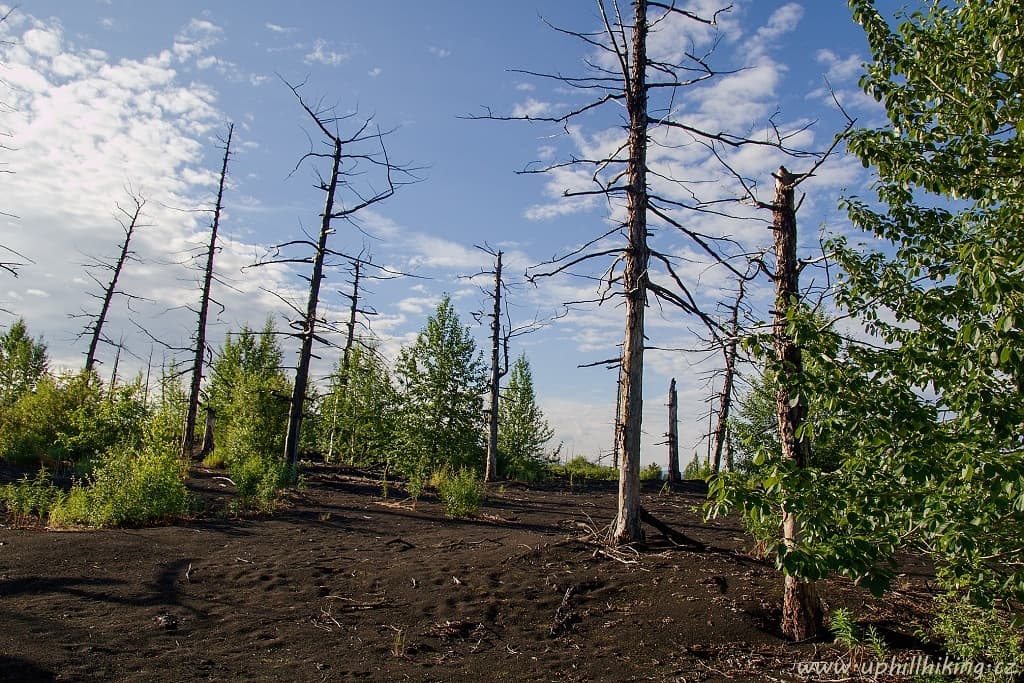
{"points": [[876, 643], [846, 632], [258, 480], [844, 628], [461, 493], [29, 501]]}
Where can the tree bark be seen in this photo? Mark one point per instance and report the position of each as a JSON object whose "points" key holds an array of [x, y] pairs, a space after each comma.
{"points": [[801, 605], [491, 468], [188, 439], [298, 398], [673, 433], [637, 255]]}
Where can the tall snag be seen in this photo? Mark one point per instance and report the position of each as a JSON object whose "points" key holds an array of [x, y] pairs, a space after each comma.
{"points": [[801, 606], [497, 372], [648, 89], [129, 220], [673, 433], [367, 153], [188, 440]]}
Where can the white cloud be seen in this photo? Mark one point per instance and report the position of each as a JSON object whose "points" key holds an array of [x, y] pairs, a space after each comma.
{"points": [[840, 68], [438, 52], [525, 87], [198, 36], [277, 28], [87, 127], [374, 72], [323, 54], [532, 108]]}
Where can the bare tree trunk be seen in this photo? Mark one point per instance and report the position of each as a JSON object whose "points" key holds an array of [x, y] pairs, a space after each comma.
{"points": [[298, 399], [350, 326], [618, 417], [96, 327], [730, 350], [346, 352], [673, 433], [801, 606], [491, 469], [188, 439], [211, 425], [627, 523]]}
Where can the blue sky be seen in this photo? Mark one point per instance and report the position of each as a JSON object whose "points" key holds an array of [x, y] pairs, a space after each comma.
{"points": [[106, 94]]}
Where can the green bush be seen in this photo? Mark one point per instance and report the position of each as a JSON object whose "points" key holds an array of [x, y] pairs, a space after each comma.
{"points": [[30, 499], [651, 473], [71, 418], [258, 479], [128, 488], [461, 493], [976, 634], [581, 469], [697, 469]]}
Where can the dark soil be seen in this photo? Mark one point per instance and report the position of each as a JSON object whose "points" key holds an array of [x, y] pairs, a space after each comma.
{"points": [[342, 584]]}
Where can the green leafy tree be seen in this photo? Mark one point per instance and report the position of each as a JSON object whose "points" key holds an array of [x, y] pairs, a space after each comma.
{"points": [[247, 385], [934, 407], [357, 417], [72, 418], [441, 380], [249, 395], [522, 430], [22, 363]]}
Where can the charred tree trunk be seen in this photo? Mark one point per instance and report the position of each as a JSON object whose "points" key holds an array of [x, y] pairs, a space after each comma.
{"points": [[673, 433], [730, 351], [801, 606], [298, 399], [188, 439], [637, 255], [211, 424], [618, 417], [96, 327], [491, 469]]}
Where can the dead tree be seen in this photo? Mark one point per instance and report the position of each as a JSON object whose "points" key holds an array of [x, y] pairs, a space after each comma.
{"points": [[502, 332], [129, 221], [349, 157], [730, 352], [199, 359], [673, 433], [497, 372], [647, 90], [801, 606]]}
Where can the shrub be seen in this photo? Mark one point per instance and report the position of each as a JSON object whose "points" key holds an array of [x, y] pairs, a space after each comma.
{"points": [[579, 468], [258, 478], [651, 473], [71, 418], [128, 488], [28, 499], [976, 634], [697, 469], [461, 493]]}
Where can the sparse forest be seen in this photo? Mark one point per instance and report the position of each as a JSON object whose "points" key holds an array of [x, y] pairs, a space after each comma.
{"points": [[308, 497]]}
